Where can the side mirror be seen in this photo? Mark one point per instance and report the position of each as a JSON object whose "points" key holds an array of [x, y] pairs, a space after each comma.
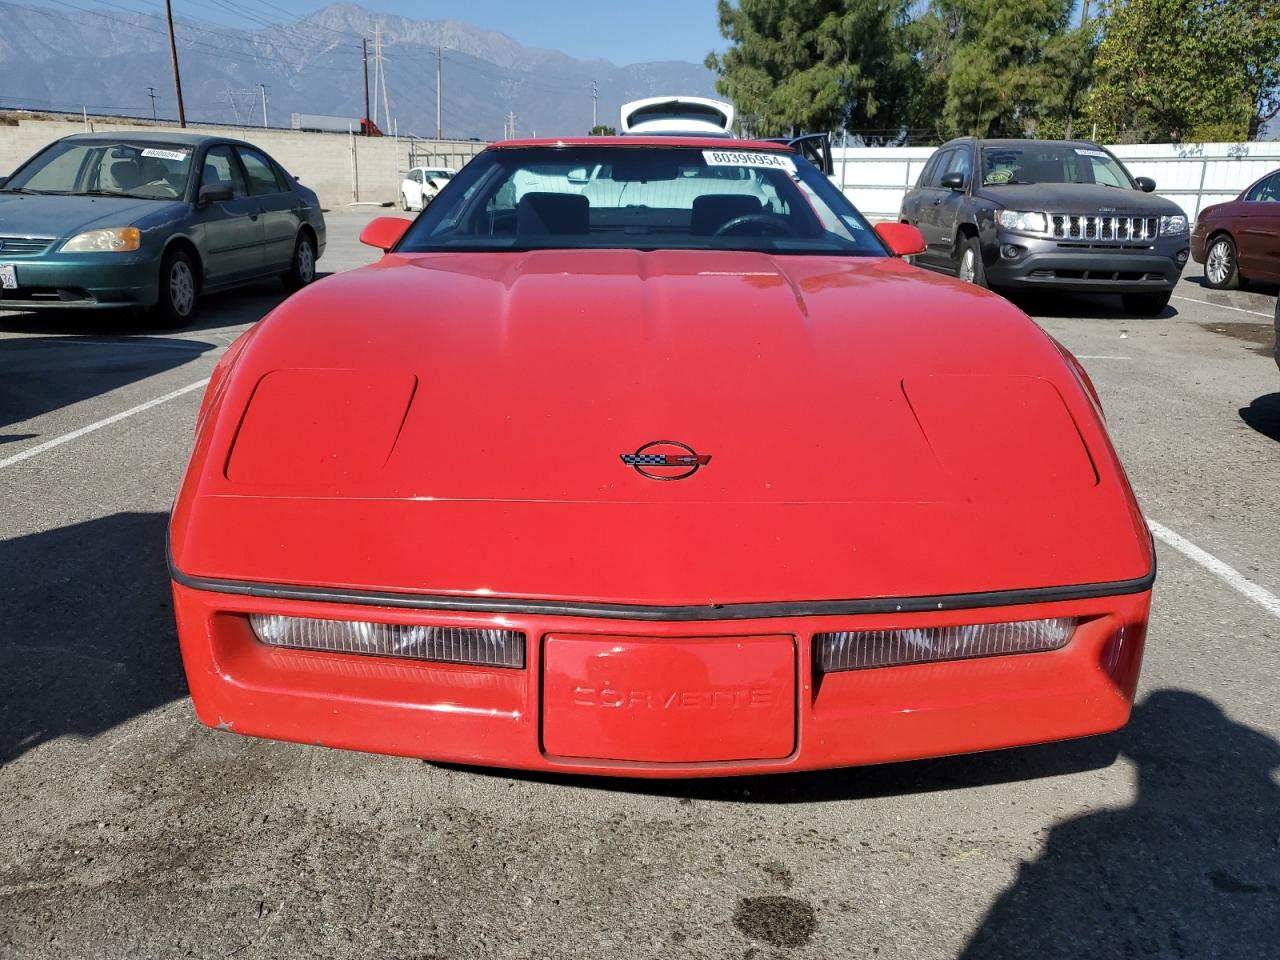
{"points": [[384, 232], [902, 239], [214, 193], [1145, 184], [953, 181]]}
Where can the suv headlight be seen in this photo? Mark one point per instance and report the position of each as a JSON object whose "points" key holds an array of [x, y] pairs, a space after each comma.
{"points": [[1024, 221], [112, 240], [1173, 226]]}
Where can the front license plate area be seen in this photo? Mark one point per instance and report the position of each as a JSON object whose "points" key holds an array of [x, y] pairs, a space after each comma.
{"points": [[8, 276], [687, 700]]}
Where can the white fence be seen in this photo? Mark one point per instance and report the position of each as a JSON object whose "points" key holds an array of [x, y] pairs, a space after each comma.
{"points": [[1192, 175]]}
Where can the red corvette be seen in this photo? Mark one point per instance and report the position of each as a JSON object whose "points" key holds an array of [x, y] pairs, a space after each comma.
{"points": [[647, 456]]}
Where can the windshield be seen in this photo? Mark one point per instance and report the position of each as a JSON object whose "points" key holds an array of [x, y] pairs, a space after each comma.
{"points": [[147, 171], [1052, 163], [641, 198]]}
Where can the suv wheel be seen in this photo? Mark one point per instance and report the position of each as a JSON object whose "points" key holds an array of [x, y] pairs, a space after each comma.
{"points": [[971, 269], [1145, 304], [1220, 269]]}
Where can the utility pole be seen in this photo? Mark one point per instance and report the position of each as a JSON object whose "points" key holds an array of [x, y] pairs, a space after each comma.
{"points": [[595, 91], [151, 92], [264, 104], [364, 43], [173, 56], [439, 129], [511, 125]]}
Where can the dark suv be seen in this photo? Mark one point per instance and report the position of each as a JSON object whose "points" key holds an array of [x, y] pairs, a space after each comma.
{"points": [[1048, 214]]}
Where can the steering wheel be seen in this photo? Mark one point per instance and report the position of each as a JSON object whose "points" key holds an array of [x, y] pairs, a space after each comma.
{"points": [[766, 223]]}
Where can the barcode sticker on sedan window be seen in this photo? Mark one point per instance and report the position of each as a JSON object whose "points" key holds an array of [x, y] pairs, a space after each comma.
{"points": [[165, 154], [741, 158], [1092, 153]]}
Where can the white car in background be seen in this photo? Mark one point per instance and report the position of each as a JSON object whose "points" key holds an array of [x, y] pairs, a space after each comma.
{"points": [[421, 185]]}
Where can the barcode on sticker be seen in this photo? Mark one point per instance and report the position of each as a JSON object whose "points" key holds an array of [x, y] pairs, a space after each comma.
{"points": [[165, 154], [743, 158], [1092, 153]]}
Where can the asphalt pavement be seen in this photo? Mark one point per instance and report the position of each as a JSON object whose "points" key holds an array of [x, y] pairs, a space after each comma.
{"points": [[129, 830]]}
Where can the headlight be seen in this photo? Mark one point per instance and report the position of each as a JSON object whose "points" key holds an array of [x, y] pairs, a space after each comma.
{"points": [[480, 646], [112, 240], [1024, 221], [858, 650], [1172, 226]]}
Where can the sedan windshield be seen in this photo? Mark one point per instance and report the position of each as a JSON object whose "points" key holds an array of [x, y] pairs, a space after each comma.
{"points": [[146, 171], [642, 198], [1052, 163]]}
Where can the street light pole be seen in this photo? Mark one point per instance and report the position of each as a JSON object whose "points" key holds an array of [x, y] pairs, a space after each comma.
{"points": [[264, 104]]}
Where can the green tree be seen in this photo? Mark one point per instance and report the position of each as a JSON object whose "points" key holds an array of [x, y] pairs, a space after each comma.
{"points": [[1187, 69], [1011, 67], [811, 65], [600, 130]]}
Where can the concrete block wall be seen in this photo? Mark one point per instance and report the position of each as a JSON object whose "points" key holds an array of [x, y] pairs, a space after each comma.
{"points": [[340, 168]]}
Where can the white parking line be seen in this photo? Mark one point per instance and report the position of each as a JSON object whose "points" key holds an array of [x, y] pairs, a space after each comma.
{"points": [[1229, 575], [1223, 306], [40, 448], [1087, 357]]}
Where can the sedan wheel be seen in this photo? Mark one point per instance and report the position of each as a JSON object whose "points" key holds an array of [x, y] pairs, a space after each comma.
{"points": [[178, 289], [303, 268], [1220, 271]]}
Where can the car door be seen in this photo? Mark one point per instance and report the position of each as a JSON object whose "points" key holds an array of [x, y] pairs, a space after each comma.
{"points": [[928, 213], [948, 211], [232, 228], [413, 192], [281, 213], [1258, 234], [911, 201]]}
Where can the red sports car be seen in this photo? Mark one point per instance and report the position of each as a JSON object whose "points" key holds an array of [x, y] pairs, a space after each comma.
{"points": [[1240, 240], [647, 456]]}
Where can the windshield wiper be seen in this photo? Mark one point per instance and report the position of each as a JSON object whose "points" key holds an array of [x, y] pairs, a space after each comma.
{"points": [[27, 190], [109, 193]]}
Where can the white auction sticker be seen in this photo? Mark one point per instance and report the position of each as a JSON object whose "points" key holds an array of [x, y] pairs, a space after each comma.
{"points": [[741, 158], [1093, 153], [178, 155]]}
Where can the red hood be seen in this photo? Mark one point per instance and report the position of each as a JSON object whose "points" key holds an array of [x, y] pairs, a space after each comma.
{"points": [[454, 424]]}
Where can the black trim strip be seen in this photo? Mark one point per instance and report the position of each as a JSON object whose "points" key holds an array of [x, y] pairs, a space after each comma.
{"points": [[627, 611]]}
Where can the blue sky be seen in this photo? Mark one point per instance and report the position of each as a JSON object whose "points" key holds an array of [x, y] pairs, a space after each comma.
{"points": [[631, 31]]}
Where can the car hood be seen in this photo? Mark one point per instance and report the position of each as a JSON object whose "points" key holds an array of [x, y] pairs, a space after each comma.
{"points": [[457, 424], [57, 216], [1084, 198]]}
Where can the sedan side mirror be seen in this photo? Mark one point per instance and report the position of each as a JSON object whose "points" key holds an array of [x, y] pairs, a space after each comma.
{"points": [[953, 181], [214, 193], [384, 232], [902, 239], [1145, 184]]}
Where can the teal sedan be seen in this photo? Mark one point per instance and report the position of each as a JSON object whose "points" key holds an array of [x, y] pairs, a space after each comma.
{"points": [[151, 220]]}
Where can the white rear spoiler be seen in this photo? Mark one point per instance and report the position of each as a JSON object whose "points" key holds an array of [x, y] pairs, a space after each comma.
{"points": [[670, 116]]}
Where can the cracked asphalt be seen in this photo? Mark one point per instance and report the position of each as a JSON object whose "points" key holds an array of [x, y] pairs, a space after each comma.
{"points": [[128, 830]]}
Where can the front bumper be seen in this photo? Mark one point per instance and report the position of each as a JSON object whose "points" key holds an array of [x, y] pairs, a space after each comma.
{"points": [[103, 281], [1082, 266], [499, 717]]}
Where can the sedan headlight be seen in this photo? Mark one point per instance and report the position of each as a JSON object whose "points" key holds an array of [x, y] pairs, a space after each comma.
{"points": [[1024, 221], [1173, 226], [111, 240], [861, 649], [482, 646]]}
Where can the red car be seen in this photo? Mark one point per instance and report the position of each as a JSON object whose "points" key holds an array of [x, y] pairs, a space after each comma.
{"points": [[1240, 240], [647, 456]]}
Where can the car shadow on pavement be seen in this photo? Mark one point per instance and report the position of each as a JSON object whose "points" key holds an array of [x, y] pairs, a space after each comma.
{"points": [[88, 638], [1189, 869], [40, 374], [1087, 306], [235, 307], [1263, 414]]}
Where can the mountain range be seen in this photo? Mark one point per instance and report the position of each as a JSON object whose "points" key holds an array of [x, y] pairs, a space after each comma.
{"points": [[107, 60]]}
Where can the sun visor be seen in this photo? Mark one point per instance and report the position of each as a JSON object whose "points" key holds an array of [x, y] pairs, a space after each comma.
{"points": [[1002, 438], [320, 426]]}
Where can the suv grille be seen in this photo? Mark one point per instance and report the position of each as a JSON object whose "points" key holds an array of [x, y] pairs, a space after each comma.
{"points": [[23, 246], [1064, 226]]}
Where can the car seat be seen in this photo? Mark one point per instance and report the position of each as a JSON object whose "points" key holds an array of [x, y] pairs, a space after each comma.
{"points": [[552, 213]]}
